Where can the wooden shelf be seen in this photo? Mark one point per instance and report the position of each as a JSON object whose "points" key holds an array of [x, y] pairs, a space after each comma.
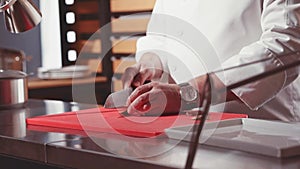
{"points": [[131, 5], [124, 46], [129, 25], [127, 46]]}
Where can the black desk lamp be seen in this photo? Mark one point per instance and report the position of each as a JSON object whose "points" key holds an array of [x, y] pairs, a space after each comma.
{"points": [[209, 87], [20, 15]]}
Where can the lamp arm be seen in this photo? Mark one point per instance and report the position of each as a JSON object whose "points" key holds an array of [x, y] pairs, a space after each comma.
{"points": [[7, 5]]}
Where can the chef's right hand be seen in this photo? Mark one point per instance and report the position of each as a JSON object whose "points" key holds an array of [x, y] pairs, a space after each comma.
{"points": [[148, 68]]}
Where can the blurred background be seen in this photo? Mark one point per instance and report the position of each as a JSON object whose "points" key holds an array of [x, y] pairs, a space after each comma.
{"points": [[69, 29]]}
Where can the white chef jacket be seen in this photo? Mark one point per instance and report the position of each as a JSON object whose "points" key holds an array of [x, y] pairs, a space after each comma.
{"points": [[232, 32]]}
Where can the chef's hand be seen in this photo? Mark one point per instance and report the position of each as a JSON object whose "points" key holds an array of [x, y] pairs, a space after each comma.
{"points": [[154, 99], [148, 68]]}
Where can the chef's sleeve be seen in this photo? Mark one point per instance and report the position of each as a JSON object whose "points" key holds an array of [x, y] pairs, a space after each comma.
{"points": [[278, 44]]}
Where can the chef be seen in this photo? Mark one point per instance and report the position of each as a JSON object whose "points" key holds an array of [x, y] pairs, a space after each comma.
{"points": [[188, 38]]}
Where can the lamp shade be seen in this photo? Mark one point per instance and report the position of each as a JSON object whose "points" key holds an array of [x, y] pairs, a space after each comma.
{"points": [[21, 15]]}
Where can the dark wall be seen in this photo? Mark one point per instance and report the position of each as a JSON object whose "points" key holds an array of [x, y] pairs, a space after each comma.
{"points": [[28, 41]]}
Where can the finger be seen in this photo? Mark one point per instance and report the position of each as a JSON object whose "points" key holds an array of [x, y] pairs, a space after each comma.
{"points": [[139, 91], [155, 105], [142, 77], [148, 103], [140, 105], [148, 108], [129, 75]]}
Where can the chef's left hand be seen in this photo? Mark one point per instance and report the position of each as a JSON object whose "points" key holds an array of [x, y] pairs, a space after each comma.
{"points": [[154, 99]]}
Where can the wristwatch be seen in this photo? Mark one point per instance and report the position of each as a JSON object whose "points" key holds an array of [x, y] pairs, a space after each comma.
{"points": [[189, 96]]}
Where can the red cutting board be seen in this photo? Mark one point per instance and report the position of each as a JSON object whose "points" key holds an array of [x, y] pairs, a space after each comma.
{"points": [[110, 121]]}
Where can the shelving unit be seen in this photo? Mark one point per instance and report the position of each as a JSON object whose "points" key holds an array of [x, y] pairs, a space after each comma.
{"points": [[120, 22], [129, 22]]}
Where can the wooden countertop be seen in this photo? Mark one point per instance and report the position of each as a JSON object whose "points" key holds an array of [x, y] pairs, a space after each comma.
{"points": [[36, 83]]}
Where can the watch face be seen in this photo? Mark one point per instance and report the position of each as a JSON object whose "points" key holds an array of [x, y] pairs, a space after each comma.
{"points": [[188, 93]]}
